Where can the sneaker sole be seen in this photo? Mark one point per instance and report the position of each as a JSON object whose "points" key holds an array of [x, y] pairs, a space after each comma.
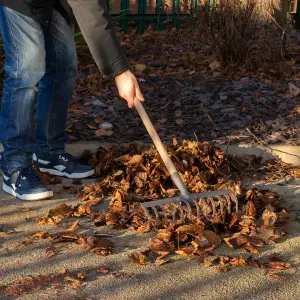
{"points": [[71, 176], [27, 197], [8, 190]]}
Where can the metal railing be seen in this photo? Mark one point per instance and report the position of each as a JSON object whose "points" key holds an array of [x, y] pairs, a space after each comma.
{"points": [[162, 13]]}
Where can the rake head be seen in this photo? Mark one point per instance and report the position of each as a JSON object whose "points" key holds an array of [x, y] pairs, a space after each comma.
{"points": [[201, 204]]}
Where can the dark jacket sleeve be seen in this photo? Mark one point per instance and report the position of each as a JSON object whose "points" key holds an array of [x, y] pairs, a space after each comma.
{"points": [[97, 29]]}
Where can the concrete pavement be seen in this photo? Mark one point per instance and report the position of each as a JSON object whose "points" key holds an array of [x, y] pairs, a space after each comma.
{"points": [[180, 279]]}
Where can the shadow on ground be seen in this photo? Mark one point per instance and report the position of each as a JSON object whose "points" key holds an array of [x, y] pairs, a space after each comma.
{"points": [[180, 279]]}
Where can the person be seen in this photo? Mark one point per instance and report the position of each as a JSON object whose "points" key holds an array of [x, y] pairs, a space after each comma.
{"points": [[40, 52]]}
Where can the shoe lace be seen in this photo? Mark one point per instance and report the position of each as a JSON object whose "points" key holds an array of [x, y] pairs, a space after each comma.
{"points": [[30, 174], [66, 156]]}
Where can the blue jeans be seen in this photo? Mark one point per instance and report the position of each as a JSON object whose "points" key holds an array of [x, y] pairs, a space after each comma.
{"points": [[39, 60]]}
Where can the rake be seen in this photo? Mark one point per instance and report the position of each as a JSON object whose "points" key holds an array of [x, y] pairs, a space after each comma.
{"points": [[187, 205]]}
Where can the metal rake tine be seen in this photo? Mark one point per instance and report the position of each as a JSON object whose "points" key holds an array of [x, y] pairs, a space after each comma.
{"points": [[221, 204], [148, 216], [205, 207], [173, 212], [181, 211], [236, 201], [197, 208], [213, 205], [229, 203], [165, 213], [156, 215], [189, 209]]}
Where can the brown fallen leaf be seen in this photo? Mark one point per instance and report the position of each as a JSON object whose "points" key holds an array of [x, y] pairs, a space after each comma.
{"points": [[237, 261], [297, 110], [214, 65], [269, 217], [212, 237], [56, 215], [103, 132], [277, 265], [27, 242], [160, 262], [185, 252], [45, 221], [63, 209], [201, 241], [81, 275], [23, 208], [6, 230], [222, 269], [51, 251], [102, 270], [163, 120], [275, 276], [140, 67], [84, 209], [250, 209], [236, 241], [64, 236], [121, 275], [101, 246], [179, 122], [73, 227], [138, 257], [190, 229], [234, 218], [164, 235], [40, 235], [92, 127], [178, 113], [76, 283], [283, 216], [249, 248], [211, 261], [295, 173], [255, 241], [117, 200], [294, 90]]}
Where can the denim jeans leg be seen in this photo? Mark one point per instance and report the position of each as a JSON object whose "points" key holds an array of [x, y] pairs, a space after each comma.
{"points": [[24, 67], [57, 85]]}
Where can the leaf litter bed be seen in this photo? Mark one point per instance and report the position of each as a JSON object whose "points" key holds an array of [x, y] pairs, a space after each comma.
{"points": [[135, 173], [188, 92]]}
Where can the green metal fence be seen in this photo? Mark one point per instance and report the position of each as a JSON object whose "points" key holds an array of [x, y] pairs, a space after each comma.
{"points": [[159, 17]]}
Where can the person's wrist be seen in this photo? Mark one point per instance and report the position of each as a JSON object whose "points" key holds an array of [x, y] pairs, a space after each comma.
{"points": [[122, 74]]}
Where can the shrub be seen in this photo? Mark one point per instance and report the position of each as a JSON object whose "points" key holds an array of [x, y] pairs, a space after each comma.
{"points": [[241, 32]]}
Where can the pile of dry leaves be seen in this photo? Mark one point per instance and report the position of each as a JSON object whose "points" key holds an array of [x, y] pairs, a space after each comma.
{"points": [[135, 173]]}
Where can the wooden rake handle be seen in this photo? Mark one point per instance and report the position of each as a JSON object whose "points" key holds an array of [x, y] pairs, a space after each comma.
{"points": [[161, 149]]}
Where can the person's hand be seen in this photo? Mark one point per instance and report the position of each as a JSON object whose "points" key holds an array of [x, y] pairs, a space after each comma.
{"points": [[128, 87]]}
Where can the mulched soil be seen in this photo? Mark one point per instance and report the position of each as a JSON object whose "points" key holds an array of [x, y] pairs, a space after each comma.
{"points": [[188, 94]]}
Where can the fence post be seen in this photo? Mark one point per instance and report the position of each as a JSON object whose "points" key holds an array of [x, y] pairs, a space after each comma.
{"points": [[212, 3], [142, 9], [193, 10], [124, 10], [159, 9], [176, 10]]}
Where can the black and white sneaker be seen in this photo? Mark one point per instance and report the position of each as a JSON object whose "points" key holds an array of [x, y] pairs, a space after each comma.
{"points": [[62, 165], [25, 185]]}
